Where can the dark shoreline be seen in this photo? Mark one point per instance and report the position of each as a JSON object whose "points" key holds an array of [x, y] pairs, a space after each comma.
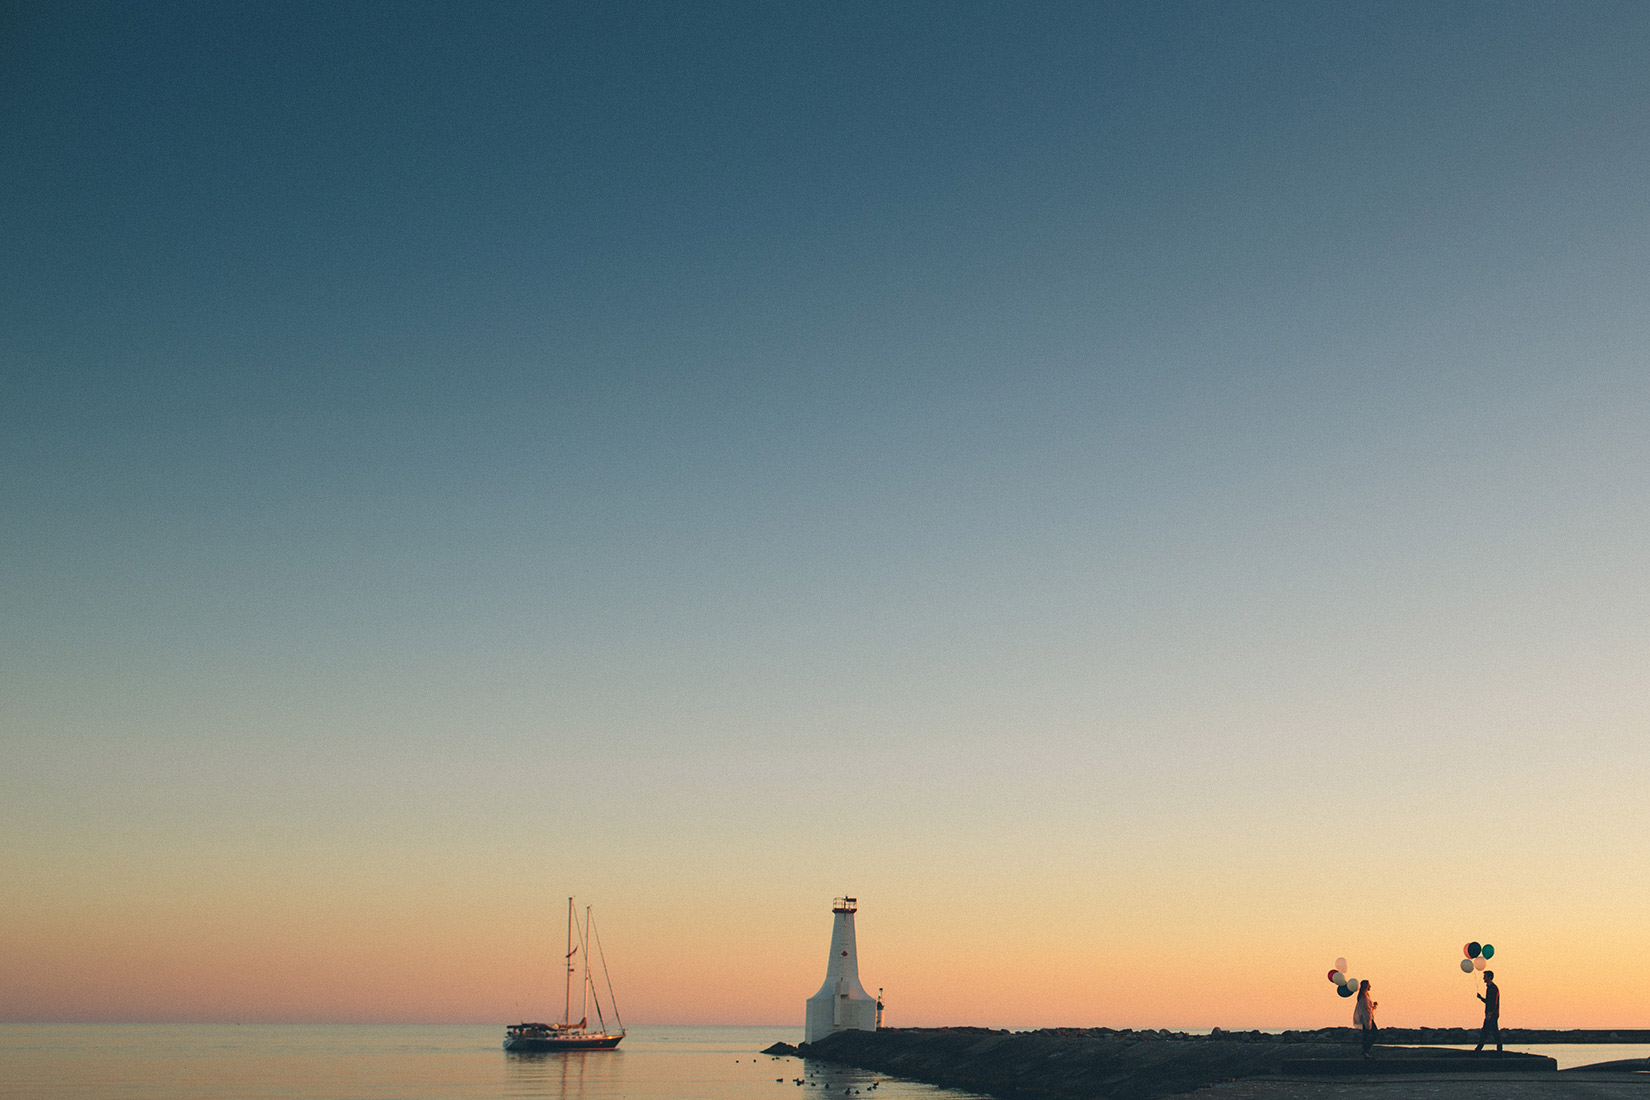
{"points": [[1093, 1063]]}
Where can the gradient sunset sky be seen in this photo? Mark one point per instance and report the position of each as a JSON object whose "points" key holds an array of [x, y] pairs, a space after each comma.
{"points": [[1149, 497]]}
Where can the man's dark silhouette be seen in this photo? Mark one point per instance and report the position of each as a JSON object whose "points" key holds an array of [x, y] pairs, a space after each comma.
{"points": [[1492, 1013]]}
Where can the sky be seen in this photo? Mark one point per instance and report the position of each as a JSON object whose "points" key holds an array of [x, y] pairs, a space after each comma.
{"points": [[1149, 498]]}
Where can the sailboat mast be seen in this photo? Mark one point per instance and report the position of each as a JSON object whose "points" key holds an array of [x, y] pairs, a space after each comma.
{"points": [[612, 1000], [567, 1002], [584, 990]]}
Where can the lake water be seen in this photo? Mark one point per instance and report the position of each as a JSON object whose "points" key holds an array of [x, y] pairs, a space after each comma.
{"points": [[437, 1062], [411, 1062]]}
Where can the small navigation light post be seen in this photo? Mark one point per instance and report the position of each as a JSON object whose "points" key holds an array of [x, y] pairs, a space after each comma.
{"points": [[841, 1003]]}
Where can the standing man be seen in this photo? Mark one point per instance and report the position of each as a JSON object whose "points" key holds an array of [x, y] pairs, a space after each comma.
{"points": [[1492, 1013]]}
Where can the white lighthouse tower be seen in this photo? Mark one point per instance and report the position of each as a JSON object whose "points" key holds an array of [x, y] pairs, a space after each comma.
{"points": [[841, 1003]]}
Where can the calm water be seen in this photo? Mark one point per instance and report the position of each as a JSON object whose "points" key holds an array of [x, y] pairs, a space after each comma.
{"points": [[409, 1062], [423, 1062]]}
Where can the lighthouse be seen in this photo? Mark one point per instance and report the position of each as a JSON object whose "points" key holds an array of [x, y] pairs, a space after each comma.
{"points": [[841, 1003]]}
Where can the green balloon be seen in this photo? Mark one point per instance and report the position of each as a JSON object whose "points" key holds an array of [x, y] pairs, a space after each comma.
{"points": [[1487, 951]]}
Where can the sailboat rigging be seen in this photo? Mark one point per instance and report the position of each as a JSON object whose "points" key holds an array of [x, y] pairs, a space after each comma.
{"points": [[567, 1035]]}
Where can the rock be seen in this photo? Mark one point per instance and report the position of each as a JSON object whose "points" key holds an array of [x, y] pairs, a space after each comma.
{"points": [[1102, 1064]]}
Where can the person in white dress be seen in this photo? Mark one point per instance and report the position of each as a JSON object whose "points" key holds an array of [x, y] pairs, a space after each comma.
{"points": [[1363, 1017]]}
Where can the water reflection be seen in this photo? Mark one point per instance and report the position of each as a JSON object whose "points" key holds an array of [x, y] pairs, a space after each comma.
{"points": [[834, 1080], [562, 1074]]}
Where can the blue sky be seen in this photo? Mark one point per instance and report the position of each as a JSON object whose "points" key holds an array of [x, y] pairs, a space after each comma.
{"points": [[1250, 395]]}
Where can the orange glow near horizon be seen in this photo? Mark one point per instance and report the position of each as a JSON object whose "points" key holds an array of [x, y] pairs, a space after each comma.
{"points": [[1076, 887], [1130, 907], [362, 953]]}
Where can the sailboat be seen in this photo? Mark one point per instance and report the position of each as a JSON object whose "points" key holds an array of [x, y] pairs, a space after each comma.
{"points": [[568, 1035]]}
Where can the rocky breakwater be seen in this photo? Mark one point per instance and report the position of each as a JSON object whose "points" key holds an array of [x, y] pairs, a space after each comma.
{"points": [[1068, 1063], [1103, 1064]]}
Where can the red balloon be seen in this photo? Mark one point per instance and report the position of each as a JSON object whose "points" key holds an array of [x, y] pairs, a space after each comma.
{"points": [[1332, 974], [1466, 949]]}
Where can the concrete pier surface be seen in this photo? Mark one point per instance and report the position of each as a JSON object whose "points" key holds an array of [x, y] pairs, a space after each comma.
{"points": [[1102, 1064]]}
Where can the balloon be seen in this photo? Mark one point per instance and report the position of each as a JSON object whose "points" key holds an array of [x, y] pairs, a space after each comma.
{"points": [[1478, 963], [1488, 951], [1466, 966], [1473, 949], [1341, 979], [1340, 964], [1345, 991], [1335, 976]]}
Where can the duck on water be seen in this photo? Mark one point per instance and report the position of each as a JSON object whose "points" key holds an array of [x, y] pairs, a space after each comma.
{"points": [[532, 1037]]}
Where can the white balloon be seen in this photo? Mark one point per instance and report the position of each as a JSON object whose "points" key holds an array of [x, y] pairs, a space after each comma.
{"points": [[1479, 963], [1340, 964]]}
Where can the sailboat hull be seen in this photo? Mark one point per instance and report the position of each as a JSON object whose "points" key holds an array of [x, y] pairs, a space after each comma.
{"points": [[541, 1044]]}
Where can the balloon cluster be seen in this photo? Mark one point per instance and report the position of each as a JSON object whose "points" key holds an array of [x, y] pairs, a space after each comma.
{"points": [[1478, 956], [1344, 986]]}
